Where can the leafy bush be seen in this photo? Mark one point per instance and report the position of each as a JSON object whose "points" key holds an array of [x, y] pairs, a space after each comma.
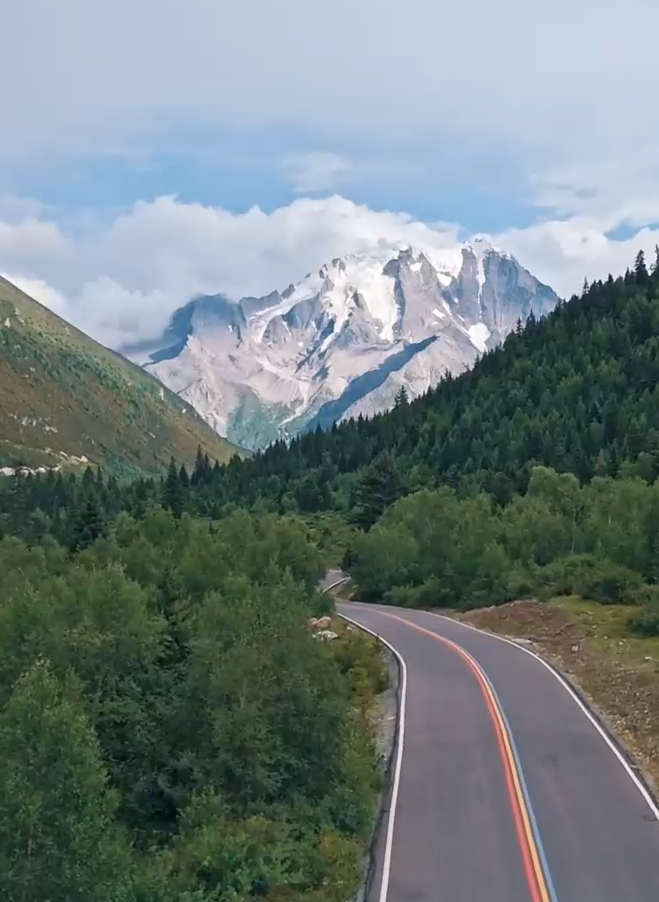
{"points": [[591, 578], [430, 594], [646, 622]]}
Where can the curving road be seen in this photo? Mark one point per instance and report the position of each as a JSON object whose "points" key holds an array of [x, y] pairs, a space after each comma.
{"points": [[504, 788]]}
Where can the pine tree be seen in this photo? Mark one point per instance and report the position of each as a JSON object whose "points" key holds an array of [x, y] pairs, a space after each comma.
{"points": [[183, 478], [640, 269], [655, 265], [199, 471], [402, 397], [378, 488], [173, 490], [89, 524], [18, 505]]}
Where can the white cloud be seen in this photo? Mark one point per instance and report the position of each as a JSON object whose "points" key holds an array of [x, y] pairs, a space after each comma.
{"points": [[561, 75], [31, 237], [588, 208], [318, 171], [122, 281], [42, 292], [563, 253]]}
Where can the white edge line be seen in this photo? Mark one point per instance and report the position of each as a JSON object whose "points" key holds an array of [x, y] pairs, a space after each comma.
{"points": [[391, 818], [344, 579], [598, 726]]}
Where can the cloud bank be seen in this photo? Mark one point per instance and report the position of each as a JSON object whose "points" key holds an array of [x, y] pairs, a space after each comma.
{"points": [[121, 280], [556, 75]]}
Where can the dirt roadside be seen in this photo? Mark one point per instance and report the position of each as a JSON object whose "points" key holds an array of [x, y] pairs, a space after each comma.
{"points": [[591, 644]]}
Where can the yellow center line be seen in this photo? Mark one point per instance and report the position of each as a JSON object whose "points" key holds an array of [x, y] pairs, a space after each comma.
{"points": [[535, 872]]}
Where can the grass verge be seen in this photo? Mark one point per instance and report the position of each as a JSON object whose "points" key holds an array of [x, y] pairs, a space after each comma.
{"points": [[359, 658]]}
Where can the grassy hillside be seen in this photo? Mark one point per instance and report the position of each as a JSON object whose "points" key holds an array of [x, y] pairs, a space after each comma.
{"points": [[64, 397]]}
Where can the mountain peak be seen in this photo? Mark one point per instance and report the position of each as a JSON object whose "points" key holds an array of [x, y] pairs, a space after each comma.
{"points": [[345, 338]]}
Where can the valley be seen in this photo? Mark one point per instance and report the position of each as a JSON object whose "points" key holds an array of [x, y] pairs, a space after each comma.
{"points": [[166, 668], [329, 452]]}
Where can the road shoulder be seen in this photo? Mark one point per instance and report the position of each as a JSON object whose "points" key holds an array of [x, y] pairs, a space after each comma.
{"points": [[616, 675]]}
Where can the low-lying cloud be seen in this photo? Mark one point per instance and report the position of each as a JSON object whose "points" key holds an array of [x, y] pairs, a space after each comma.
{"points": [[121, 281]]}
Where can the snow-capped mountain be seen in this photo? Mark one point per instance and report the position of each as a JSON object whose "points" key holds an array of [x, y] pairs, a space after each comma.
{"points": [[343, 340]]}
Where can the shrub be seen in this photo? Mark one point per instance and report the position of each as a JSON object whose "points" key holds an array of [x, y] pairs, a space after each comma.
{"points": [[432, 593], [646, 622], [610, 584], [591, 577]]}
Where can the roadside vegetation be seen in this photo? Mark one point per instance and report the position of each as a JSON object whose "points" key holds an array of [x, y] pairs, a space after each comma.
{"points": [[598, 541], [170, 729]]}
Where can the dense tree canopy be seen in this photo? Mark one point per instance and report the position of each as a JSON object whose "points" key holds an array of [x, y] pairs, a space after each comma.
{"points": [[168, 725]]}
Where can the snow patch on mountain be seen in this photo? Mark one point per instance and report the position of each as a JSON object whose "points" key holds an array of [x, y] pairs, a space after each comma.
{"points": [[479, 335]]}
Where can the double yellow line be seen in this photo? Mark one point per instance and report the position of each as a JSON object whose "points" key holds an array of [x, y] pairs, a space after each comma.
{"points": [[533, 855]]}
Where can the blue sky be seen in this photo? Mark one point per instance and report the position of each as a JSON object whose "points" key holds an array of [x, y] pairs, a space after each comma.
{"points": [[150, 149], [482, 190]]}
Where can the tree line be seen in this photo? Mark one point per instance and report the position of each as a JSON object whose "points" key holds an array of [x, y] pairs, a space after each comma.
{"points": [[436, 548], [576, 392]]}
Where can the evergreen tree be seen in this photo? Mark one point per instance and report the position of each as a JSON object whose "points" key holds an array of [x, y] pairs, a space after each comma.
{"points": [[379, 486], [88, 525], [198, 470], [402, 398], [173, 490], [18, 504], [183, 478], [640, 269]]}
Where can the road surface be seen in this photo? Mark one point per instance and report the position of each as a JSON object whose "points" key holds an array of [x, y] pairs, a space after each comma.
{"points": [[506, 790]]}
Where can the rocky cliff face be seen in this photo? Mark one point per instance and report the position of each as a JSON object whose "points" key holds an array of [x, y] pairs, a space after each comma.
{"points": [[343, 340]]}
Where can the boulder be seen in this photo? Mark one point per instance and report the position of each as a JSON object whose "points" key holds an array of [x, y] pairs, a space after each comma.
{"points": [[326, 635]]}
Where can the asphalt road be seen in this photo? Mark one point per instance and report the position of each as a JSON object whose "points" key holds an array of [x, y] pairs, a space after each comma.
{"points": [[506, 790]]}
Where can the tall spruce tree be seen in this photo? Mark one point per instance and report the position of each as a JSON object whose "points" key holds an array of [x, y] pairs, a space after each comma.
{"points": [[379, 486], [172, 490]]}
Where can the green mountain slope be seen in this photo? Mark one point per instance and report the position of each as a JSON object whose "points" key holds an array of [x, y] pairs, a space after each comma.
{"points": [[64, 397]]}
